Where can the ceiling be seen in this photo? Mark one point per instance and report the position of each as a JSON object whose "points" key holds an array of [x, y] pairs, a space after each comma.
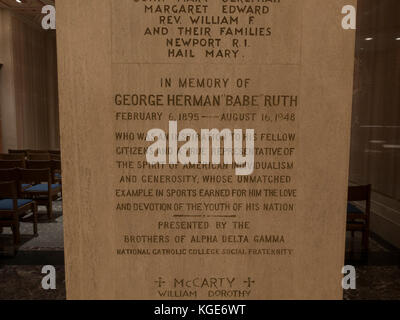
{"points": [[30, 9]]}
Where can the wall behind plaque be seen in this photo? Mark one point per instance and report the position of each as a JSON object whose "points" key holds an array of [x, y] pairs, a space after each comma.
{"points": [[7, 98], [28, 80], [375, 141]]}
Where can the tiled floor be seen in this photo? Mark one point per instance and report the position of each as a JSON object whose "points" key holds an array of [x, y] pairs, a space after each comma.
{"points": [[378, 273], [376, 283], [20, 275], [24, 283], [50, 233]]}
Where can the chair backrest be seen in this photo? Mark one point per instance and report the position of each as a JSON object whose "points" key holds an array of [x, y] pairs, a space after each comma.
{"points": [[8, 190], [53, 165], [36, 176], [38, 164], [10, 151], [12, 156], [56, 165], [361, 193], [9, 175], [39, 156], [37, 151], [55, 157], [11, 164]]}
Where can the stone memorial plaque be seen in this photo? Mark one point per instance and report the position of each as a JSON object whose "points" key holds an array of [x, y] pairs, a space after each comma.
{"points": [[205, 147]]}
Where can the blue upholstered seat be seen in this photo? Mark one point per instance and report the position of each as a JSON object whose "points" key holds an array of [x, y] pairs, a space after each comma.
{"points": [[57, 175], [353, 209], [7, 204], [25, 185], [42, 187]]}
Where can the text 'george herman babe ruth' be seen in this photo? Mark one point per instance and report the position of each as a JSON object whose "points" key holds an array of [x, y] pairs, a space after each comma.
{"points": [[165, 148]]}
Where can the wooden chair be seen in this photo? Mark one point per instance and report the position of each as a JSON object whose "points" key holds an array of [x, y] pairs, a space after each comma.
{"points": [[17, 152], [358, 220], [55, 157], [13, 209], [55, 152], [13, 175], [12, 156], [54, 166], [7, 175], [11, 164], [56, 171], [37, 151], [38, 156], [38, 164], [43, 190]]}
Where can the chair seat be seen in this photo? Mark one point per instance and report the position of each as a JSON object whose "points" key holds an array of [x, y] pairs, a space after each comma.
{"points": [[7, 204], [24, 186], [57, 175], [43, 187], [353, 209]]}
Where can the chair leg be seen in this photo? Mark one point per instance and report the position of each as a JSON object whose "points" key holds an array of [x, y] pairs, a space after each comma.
{"points": [[50, 209], [35, 218], [16, 233], [365, 240]]}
